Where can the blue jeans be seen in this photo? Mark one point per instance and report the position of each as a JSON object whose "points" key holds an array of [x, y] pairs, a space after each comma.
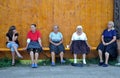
{"points": [[11, 45]]}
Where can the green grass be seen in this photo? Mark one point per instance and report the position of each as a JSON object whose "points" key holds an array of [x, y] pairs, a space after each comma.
{"points": [[6, 62]]}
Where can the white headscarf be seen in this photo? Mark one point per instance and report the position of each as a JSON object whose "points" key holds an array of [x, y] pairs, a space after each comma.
{"points": [[79, 26]]}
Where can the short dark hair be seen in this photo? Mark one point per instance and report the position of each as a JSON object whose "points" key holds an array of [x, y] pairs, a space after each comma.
{"points": [[34, 25], [12, 28]]}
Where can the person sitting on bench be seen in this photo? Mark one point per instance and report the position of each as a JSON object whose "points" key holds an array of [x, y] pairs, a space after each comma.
{"points": [[34, 46], [79, 44], [13, 43], [108, 45], [56, 44]]}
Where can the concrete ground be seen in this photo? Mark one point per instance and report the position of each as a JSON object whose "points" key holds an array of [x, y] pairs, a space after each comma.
{"points": [[66, 71]]}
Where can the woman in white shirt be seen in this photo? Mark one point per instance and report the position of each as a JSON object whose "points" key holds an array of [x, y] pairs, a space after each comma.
{"points": [[79, 44]]}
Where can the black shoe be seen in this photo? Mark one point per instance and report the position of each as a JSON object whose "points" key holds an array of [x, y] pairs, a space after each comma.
{"points": [[101, 63], [105, 65], [77, 64]]}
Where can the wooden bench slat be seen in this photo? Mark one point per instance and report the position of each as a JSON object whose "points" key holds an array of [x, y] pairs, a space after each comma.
{"points": [[45, 48]]}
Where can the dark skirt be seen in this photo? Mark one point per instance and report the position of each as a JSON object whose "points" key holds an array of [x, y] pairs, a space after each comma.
{"points": [[34, 46], [79, 47], [56, 49], [111, 48]]}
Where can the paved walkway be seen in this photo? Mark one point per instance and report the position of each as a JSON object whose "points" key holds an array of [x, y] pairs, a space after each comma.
{"points": [[92, 71]]}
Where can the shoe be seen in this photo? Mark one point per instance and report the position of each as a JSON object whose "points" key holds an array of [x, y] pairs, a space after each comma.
{"points": [[13, 64], [20, 57], [105, 65], [63, 62], [74, 64], [101, 63], [77, 64], [52, 64], [35, 65]]}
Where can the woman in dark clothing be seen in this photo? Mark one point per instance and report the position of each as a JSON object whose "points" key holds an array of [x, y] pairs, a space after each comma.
{"points": [[108, 46], [12, 43]]}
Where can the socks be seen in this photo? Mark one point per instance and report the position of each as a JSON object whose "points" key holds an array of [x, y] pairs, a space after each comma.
{"points": [[84, 61], [75, 60]]}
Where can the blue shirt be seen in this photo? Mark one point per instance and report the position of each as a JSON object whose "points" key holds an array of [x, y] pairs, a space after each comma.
{"points": [[109, 34], [55, 36]]}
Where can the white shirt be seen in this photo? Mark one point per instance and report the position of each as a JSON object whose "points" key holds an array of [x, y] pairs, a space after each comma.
{"points": [[75, 36]]}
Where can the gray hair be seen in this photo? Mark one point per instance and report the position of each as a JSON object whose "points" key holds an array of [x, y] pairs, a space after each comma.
{"points": [[55, 26]]}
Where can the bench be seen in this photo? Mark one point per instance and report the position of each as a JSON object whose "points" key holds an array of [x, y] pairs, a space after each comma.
{"points": [[44, 49]]}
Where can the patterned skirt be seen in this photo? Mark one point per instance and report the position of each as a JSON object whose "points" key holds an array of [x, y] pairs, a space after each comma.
{"points": [[79, 47], [56, 49], [34, 46]]}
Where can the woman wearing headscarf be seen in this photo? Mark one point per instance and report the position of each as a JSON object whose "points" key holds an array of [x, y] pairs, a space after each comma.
{"points": [[79, 44]]}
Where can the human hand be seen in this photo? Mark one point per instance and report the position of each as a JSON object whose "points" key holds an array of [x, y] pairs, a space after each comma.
{"points": [[56, 44], [105, 44], [25, 48]]}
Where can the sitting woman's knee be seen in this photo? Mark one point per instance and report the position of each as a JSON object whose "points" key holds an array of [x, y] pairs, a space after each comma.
{"points": [[31, 52], [99, 51], [106, 53], [61, 53], [52, 53], [14, 45]]}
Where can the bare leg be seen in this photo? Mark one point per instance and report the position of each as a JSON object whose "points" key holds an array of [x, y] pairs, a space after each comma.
{"points": [[100, 55], [18, 54], [75, 58], [53, 57], [13, 58], [61, 56], [32, 57], [36, 58], [106, 57], [84, 58]]}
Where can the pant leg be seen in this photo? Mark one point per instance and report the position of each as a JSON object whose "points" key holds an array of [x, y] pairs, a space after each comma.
{"points": [[11, 46]]}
